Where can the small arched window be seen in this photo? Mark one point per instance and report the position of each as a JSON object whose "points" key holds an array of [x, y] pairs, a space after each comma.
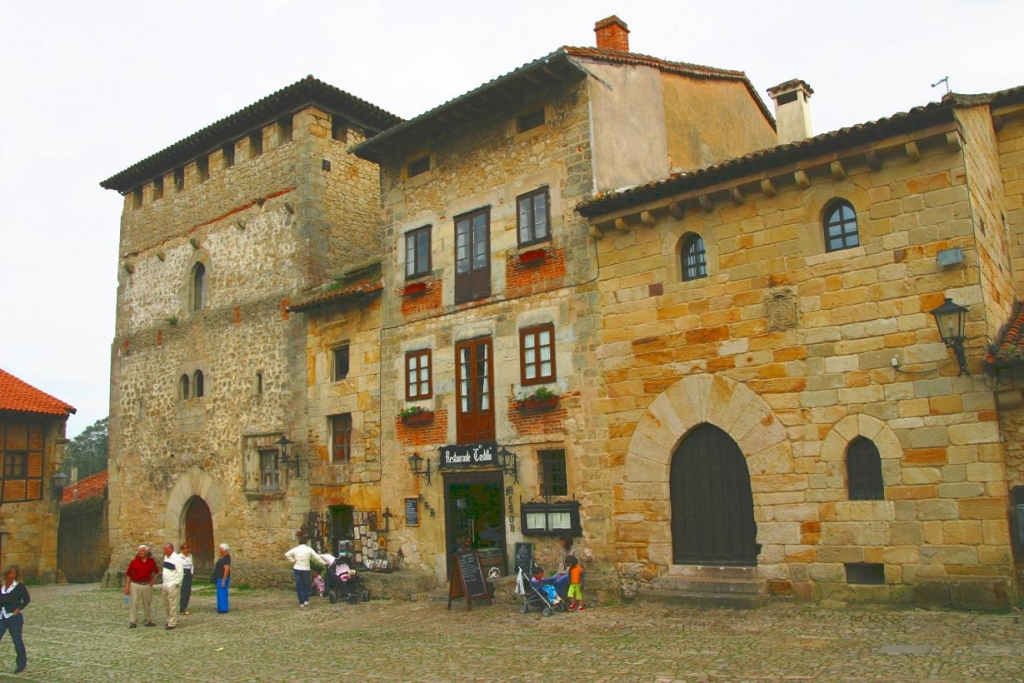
{"points": [[840, 226], [198, 287], [197, 383], [864, 470], [183, 387], [693, 258]]}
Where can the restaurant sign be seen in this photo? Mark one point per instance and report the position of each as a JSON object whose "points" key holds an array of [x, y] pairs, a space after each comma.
{"points": [[468, 455]]}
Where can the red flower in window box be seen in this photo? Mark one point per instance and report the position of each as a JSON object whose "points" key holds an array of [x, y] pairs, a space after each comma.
{"points": [[540, 400], [414, 288], [533, 256]]}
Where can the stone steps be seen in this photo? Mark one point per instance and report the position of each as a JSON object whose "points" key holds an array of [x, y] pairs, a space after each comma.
{"points": [[709, 587]]}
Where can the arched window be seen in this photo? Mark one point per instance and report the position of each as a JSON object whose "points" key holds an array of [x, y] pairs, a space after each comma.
{"points": [[840, 226], [694, 263], [197, 383], [198, 287], [864, 470], [183, 387]]}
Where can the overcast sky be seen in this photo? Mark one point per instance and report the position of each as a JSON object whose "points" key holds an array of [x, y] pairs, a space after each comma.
{"points": [[87, 89]]}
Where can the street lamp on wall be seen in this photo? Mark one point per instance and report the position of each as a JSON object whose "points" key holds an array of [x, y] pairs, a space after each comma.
{"points": [[57, 483], [285, 455], [951, 319], [416, 467], [509, 462]]}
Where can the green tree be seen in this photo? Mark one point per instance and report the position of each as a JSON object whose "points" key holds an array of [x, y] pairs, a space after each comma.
{"points": [[88, 450]]}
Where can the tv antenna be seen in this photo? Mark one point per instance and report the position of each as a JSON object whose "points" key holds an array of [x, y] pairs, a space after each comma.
{"points": [[944, 79]]}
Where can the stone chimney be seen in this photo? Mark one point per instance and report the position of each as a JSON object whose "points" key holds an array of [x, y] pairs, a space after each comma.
{"points": [[612, 34], [792, 112]]}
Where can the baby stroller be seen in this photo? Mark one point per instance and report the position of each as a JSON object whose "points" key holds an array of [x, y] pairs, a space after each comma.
{"points": [[343, 583], [544, 594]]}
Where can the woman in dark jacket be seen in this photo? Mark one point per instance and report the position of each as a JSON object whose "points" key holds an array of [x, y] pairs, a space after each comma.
{"points": [[13, 600]]}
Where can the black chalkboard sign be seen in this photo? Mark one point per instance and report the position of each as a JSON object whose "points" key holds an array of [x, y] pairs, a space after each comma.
{"points": [[412, 512], [468, 580], [523, 559]]}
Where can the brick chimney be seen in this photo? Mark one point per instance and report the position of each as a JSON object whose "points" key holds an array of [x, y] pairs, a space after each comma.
{"points": [[612, 34], [792, 112]]}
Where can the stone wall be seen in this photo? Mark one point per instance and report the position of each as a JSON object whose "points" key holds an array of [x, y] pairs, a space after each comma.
{"points": [[789, 350]]}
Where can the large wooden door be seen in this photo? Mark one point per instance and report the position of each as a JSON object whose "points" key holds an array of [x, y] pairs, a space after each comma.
{"points": [[473, 256], [475, 383], [712, 506], [199, 535]]}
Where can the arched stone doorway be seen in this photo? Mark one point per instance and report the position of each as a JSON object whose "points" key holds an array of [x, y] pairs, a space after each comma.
{"points": [[199, 534], [712, 505]]}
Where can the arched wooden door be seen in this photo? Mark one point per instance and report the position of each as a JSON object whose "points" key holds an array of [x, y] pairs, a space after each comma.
{"points": [[712, 506], [199, 535]]}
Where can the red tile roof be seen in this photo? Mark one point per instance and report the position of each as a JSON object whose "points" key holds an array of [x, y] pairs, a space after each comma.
{"points": [[18, 396], [361, 288], [90, 487], [1010, 348]]}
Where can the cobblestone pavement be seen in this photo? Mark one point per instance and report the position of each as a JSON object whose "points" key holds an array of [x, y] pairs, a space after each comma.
{"points": [[80, 633]]}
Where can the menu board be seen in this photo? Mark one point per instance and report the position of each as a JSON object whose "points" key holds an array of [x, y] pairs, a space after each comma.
{"points": [[523, 558], [468, 580], [412, 512]]}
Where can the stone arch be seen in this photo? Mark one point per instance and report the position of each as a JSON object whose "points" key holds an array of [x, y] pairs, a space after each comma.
{"points": [[729, 405], [833, 448], [194, 482]]}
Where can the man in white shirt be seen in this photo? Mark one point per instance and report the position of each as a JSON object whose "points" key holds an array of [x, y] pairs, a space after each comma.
{"points": [[300, 557], [174, 573]]}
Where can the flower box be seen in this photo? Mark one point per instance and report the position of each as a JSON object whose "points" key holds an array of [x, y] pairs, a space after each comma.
{"points": [[533, 256], [420, 417], [537, 404], [414, 289]]}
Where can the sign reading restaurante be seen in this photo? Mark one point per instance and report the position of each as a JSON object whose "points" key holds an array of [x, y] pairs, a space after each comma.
{"points": [[468, 455]]}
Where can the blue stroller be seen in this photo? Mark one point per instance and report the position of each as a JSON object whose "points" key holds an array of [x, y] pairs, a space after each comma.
{"points": [[540, 593]]}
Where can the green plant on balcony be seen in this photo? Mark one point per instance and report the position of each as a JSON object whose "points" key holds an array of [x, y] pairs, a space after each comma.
{"points": [[541, 398], [415, 414]]}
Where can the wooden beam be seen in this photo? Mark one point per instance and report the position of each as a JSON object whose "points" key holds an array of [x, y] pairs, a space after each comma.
{"points": [[737, 195], [621, 225], [913, 153], [675, 209], [768, 187], [871, 157], [595, 232], [801, 179], [706, 203], [953, 141], [998, 123], [838, 171], [647, 218]]}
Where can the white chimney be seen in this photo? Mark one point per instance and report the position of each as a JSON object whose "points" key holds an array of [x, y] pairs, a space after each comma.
{"points": [[792, 111]]}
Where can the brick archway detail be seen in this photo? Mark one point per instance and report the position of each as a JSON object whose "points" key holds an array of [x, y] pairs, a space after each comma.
{"points": [[193, 483], [717, 400]]}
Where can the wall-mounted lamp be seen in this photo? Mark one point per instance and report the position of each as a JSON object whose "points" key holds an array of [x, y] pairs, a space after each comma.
{"points": [[287, 459], [57, 483], [509, 462], [952, 321], [416, 467]]}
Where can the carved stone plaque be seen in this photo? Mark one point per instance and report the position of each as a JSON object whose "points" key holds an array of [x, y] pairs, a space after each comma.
{"points": [[781, 310]]}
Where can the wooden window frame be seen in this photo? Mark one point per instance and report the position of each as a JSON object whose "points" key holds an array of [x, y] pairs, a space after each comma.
{"points": [[693, 258], [534, 333], [473, 283], [841, 231], [270, 469], [419, 388], [341, 438], [554, 476], [526, 222], [474, 398], [340, 370], [415, 266]]}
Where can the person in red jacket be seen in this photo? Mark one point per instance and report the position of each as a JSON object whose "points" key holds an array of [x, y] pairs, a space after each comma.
{"points": [[138, 584]]}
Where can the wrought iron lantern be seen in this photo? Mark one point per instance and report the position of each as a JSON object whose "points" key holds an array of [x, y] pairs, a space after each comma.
{"points": [[951, 319], [58, 481], [509, 463], [287, 457], [417, 469]]}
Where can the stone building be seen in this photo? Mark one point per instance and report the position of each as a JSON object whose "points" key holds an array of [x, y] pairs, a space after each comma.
{"points": [[219, 233], [780, 412], [32, 439], [491, 299], [83, 540]]}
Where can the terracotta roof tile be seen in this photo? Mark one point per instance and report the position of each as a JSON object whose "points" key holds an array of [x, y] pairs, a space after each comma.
{"points": [[90, 487], [19, 396], [1010, 349], [361, 288]]}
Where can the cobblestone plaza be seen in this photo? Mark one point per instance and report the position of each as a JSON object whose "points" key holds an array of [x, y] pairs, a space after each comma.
{"points": [[80, 633]]}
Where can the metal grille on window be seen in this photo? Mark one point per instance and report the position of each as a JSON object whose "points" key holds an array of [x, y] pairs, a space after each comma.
{"points": [[841, 227], [864, 470], [694, 260]]}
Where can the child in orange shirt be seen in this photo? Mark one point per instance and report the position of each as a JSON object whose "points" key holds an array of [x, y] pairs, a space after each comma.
{"points": [[575, 593]]}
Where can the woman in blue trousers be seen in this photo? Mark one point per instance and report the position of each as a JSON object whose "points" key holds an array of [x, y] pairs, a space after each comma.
{"points": [[222, 578], [13, 600]]}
